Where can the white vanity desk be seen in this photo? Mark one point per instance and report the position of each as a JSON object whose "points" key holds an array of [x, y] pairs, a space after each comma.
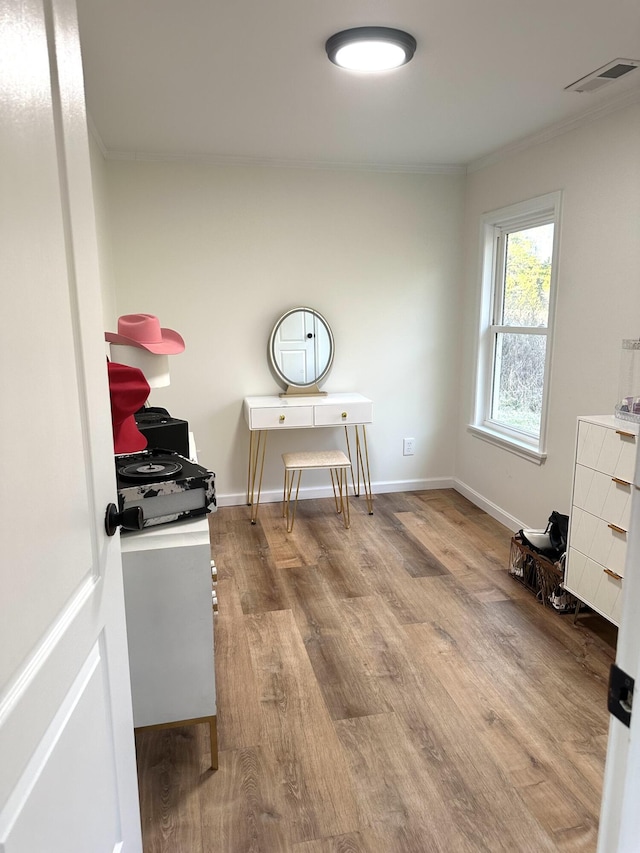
{"points": [[307, 412]]}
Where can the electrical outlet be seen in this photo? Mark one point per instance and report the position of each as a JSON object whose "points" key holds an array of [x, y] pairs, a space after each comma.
{"points": [[408, 446]]}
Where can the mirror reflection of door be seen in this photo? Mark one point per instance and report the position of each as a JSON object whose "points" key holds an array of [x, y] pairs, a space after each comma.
{"points": [[301, 347]]}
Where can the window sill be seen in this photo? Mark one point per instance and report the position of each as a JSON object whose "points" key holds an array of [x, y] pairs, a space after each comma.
{"points": [[520, 448]]}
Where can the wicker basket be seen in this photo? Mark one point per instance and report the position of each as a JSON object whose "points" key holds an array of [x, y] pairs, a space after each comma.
{"points": [[537, 573]]}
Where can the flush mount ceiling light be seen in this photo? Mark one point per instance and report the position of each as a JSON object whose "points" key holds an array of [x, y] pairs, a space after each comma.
{"points": [[370, 48]]}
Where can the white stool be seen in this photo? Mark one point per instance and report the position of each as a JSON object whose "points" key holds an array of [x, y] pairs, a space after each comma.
{"points": [[338, 464]]}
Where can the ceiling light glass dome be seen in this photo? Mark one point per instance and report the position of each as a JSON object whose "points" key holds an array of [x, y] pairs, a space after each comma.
{"points": [[370, 48]]}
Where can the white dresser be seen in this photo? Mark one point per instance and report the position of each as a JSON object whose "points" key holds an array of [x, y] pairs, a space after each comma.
{"points": [[602, 486], [167, 574]]}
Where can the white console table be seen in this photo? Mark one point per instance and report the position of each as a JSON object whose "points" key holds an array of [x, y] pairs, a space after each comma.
{"points": [[263, 414], [167, 590]]}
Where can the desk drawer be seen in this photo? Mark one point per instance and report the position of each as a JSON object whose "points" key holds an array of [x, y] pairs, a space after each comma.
{"points": [[283, 417], [343, 413]]}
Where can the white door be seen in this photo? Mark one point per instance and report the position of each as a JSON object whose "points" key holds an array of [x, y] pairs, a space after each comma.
{"points": [[67, 762], [620, 815], [295, 347]]}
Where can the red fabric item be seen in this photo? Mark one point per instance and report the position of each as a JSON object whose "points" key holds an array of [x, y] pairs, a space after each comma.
{"points": [[128, 390]]}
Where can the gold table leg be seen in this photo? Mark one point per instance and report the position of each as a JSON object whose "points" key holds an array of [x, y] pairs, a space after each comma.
{"points": [[257, 448], [362, 464], [251, 457]]}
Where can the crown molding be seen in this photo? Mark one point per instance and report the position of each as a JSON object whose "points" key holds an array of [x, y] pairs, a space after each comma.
{"points": [[552, 131], [217, 160], [558, 129]]}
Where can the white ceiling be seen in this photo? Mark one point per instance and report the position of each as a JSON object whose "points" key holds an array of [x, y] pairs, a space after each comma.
{"points": [[249, 79]]}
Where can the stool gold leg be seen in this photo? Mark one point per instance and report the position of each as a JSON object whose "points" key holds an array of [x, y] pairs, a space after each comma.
{"points": [[288, 488], [288, 485], [344, 502], [295, 502], [334, 486]]}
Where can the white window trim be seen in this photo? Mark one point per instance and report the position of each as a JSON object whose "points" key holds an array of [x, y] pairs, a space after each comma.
{"points": [[539, 210]]}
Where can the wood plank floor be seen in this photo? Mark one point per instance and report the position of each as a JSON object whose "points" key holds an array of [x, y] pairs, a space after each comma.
{"points": [[384, 689]]}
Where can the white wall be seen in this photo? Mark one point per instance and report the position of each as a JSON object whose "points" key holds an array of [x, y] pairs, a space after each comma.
{"points": [[99, 184], [598, 169], [220, 253]]}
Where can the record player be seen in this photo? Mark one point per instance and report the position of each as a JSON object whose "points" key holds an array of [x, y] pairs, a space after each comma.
{"points": [[168, 486]]}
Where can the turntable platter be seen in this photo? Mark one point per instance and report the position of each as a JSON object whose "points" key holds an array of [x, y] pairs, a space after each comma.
{"points": [[150, 471]]}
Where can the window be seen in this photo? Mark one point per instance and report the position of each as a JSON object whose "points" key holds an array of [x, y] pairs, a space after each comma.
{"points": [[519, 263]]}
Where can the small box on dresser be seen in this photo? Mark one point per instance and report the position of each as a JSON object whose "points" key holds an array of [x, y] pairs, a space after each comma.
{"points": [[604, 472]]}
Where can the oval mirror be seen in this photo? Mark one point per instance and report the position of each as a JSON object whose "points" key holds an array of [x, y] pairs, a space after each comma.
{"points": [[301, 350]]}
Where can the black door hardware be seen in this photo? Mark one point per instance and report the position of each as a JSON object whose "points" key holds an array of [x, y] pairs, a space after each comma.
{"points": [[131, 518], [620, 697]]}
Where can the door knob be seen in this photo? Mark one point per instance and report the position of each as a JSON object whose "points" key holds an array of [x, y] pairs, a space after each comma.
{"points": [[131, 518]]}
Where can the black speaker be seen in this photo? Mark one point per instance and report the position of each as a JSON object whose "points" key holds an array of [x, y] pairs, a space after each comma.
{"points": [[163, 431]]}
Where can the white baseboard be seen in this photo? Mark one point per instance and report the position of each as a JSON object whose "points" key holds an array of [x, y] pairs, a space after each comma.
{"points": [[488, 506], [273, 495], [413, 485]]}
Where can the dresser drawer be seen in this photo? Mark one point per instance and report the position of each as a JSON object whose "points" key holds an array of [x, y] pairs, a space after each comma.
{"points": [[358, 412], [597, 539], [611, 451], [590, 581], [283, 417], [602, 495]]}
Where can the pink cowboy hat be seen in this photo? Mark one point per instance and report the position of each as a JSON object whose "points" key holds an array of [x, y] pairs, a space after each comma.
{"points": [[143, 331]]}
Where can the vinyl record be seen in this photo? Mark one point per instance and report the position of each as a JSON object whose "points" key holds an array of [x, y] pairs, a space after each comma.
{"points": [[150, 471]]}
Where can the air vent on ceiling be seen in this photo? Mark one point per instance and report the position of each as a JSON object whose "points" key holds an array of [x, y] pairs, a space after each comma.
{"points": [[607, 74]]}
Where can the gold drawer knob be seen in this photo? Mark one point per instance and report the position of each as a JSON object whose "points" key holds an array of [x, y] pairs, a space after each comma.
{"points": [[612, 574], [616, 529], [281, 419], [344, 415]]}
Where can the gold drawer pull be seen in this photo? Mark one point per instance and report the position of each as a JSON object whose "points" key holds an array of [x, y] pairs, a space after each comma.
{"points": [[612, 574], [624, 434], [281, 419], [616, 529], [344, 415], [620, 482]]}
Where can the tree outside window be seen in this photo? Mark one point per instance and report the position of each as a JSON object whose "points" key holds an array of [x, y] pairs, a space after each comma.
{"points": [[519, 361]]}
